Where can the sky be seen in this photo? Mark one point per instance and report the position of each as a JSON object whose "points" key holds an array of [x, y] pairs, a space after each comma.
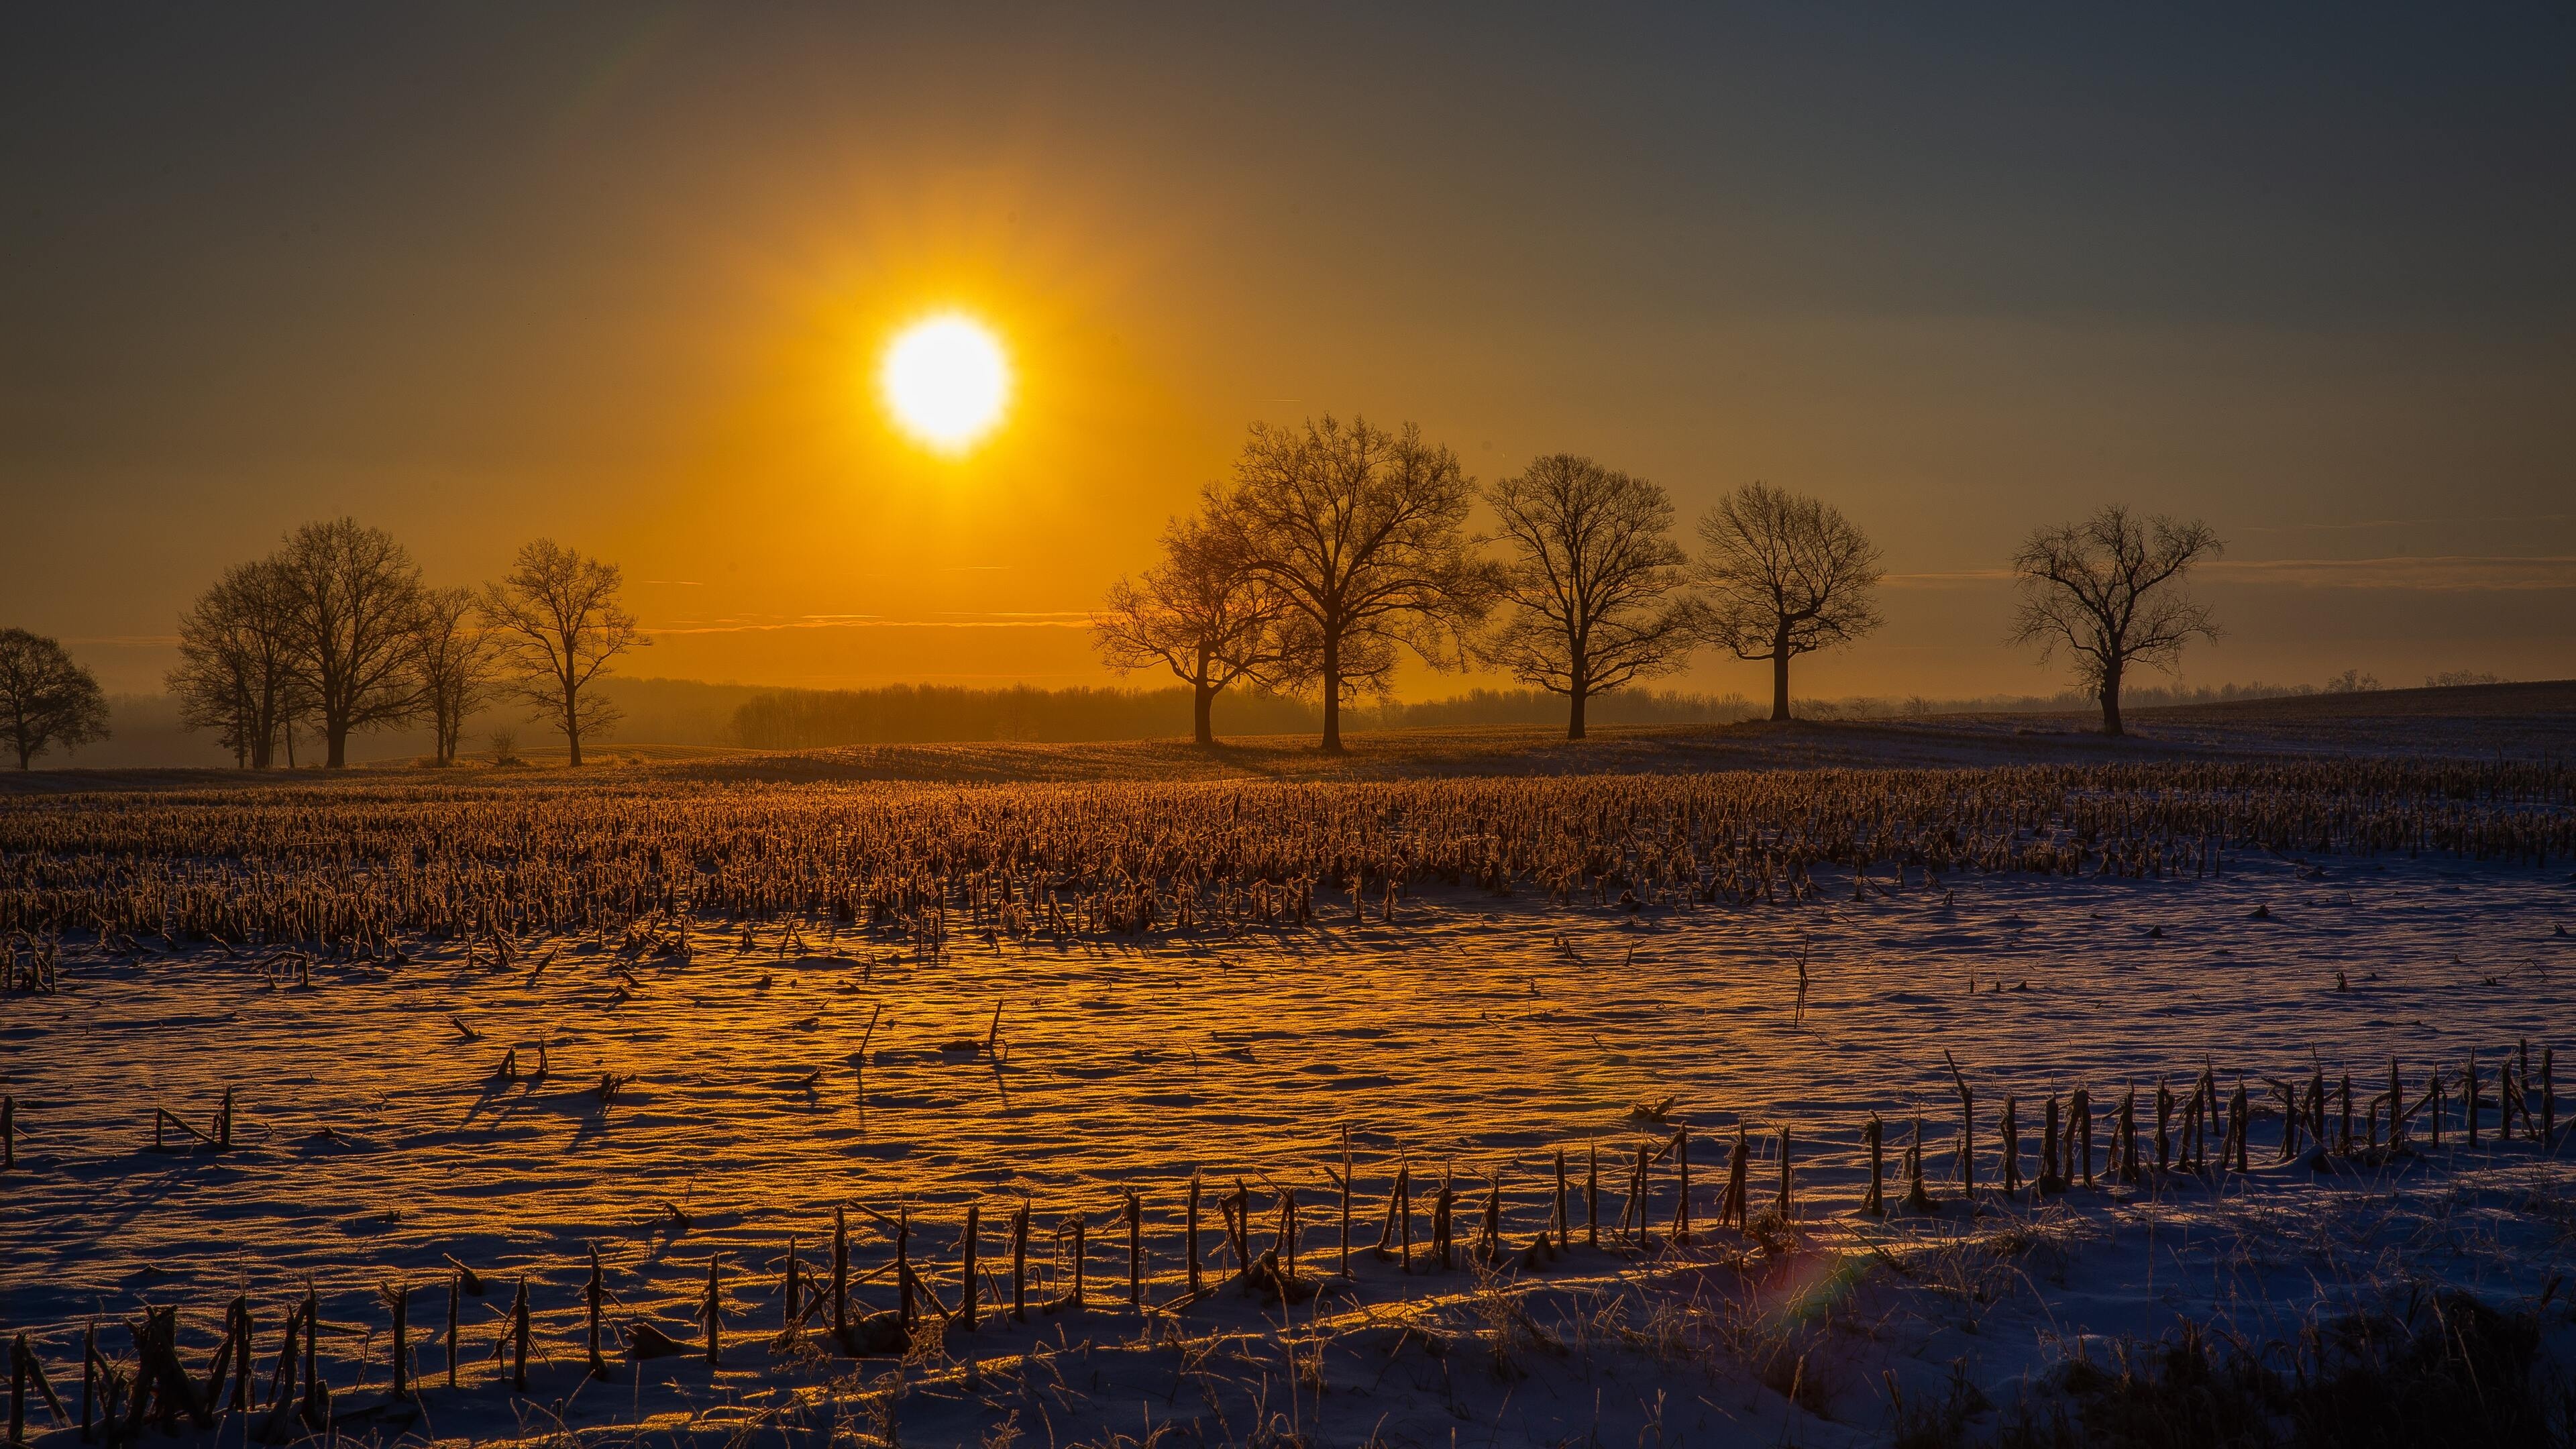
{"points": [[621, 275]]}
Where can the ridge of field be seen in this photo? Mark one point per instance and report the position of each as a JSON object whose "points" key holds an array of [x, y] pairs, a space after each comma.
{"points": [[2520, 721]]}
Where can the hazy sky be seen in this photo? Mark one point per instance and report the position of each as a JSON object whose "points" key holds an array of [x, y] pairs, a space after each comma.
{"points": [[621, 275]]}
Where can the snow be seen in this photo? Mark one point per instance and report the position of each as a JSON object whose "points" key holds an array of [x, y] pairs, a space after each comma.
{"points": [[1471, 1035]]}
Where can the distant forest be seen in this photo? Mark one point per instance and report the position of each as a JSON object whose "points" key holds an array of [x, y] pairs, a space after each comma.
{"points": [[806, 719], [149, 730], [689, 712], [810, 719]]}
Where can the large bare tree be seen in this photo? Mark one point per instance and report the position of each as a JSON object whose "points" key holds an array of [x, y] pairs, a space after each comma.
{"points": [[1592, 584], [1785, 575], [1363, 535], [454, 657], [235, 674], [556, 623], [353, 594], [2112, 590], [1197, 613], [45, 699]]}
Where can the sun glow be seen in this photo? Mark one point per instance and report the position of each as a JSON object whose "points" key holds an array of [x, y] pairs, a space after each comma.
{"points": [[946, 381]]}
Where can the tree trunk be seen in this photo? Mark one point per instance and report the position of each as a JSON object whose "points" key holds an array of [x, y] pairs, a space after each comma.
{"points": [[336, 736], [259, 747], [1332, 694], [1202, 713], [1780, 675], [568, 681], [2111, 702], [1579, 695]]}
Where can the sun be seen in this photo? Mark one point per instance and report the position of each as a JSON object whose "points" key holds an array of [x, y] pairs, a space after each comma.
{"points": [[946, 380]]}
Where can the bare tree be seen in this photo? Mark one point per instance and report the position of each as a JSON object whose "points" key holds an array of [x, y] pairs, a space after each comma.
{"points": [[2111, 589], [556, 623], [213, 685], [1592, 586], [454, 657], [1198, 614], [46, 699], [353, 595], [1363, 535], [1786, 576], [235, 674]]}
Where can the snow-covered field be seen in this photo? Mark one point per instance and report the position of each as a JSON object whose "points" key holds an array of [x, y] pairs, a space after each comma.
{"points": [[1472, 1037]]}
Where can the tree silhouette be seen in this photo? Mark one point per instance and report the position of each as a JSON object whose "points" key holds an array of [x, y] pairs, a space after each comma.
{"points": [[1363, 535], [352, 594], [1592, 582], [236, 672], [1785, 575], [556, 623], [2111, 590], [454, 657], [1197, 613], [45, 699]]}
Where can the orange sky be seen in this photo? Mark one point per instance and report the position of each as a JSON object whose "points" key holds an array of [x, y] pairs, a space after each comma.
{"points": [[622, 277]]}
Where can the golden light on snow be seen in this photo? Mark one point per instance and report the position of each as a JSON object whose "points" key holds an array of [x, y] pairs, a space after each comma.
{"points": [[946, 380]]}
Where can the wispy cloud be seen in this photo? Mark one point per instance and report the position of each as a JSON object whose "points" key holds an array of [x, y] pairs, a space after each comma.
{"points": [[740, 624], [1068, 619], [2469, 572], [2409, 522], [1955, 578], [1082, 616], [2449, 572]]}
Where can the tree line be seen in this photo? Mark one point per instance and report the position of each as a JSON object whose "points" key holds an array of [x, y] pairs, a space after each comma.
{"points": [[1335, 550], [1338, 548], [336, 633]]}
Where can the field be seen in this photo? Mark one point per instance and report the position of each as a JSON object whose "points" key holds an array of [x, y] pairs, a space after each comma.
{"points": [[683, 1012]]}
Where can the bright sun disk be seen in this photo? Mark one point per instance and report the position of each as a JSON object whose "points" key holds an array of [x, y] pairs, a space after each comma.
{"points": [[946, 381]]}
